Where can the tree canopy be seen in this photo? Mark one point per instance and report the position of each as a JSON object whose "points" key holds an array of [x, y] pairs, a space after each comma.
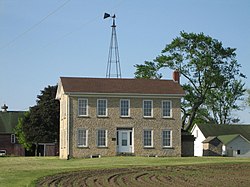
{"points": [[212, 73], [41, 123]]}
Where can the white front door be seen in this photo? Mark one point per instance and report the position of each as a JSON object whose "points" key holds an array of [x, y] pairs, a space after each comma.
{"points": [[125, 141]]}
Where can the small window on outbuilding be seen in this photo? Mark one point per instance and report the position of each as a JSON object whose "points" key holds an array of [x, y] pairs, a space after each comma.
{"points": [[13, 138], [238, 152], [196, 133]]}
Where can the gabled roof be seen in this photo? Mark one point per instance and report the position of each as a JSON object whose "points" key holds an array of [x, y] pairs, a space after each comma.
{"points": [[209, 139], [218, 130], [225, 139], [120, 86], [9, 120]]}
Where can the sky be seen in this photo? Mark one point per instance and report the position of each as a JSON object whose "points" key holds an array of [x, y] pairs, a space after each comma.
{"points": [[43, 40]]}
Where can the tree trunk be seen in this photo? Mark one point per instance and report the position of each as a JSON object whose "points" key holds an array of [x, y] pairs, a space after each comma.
{"points": [[192, 115]]}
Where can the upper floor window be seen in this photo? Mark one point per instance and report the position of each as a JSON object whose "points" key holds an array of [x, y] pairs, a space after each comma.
{"points": [[147, 108], [102, 107], [82, 107], [102, 138], [167, 138], [148, 138], [82, 138], [166, 109], [124, 107], [13, 138]]}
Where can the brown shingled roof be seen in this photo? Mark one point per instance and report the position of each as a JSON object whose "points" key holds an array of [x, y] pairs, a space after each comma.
{"points": [[112, 85]]}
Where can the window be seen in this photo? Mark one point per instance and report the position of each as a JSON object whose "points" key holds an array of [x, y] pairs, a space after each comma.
{"points": [[124, 107], [82, 107], [148, 108], [148, 138], [124, 139], [196, 133], [13, 138], [102, 138], [166, 109], [238, 152], [82, 139], [167, 138], [101, 107]]}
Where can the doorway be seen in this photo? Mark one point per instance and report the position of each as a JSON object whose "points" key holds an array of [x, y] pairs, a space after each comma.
{"points": [[125, 141]]}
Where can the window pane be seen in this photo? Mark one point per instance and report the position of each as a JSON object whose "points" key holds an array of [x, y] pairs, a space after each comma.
{"points": [[124, 139], [147, 138], [101, 107], [147, 108], [166, 137], [82, 107], [101, 138], [82, 137], [166, 108], [124, 108]]}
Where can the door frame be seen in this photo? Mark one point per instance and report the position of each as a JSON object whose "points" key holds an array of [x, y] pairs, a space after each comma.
{"points": [[119, 137]]}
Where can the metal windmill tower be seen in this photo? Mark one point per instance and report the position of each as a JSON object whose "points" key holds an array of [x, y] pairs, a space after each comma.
{"points": [[113, 66]]}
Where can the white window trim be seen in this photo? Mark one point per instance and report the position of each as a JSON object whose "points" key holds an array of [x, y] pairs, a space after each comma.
{"points": [[171, 114], [128, 107], [87, 133], [13, 138], [87, 107], [171, 138], [98, 108], [152, 138], [152, 114], [106, 138]]}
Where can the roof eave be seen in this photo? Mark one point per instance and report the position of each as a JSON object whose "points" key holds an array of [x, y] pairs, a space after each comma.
{"points": [[124, 94]]}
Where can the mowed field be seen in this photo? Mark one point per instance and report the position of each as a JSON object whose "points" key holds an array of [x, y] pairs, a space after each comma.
{"points": [[124, 171]]}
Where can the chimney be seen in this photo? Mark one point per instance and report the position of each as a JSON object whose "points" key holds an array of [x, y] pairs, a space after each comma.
{"points": [[4, 108], [176, 76]]}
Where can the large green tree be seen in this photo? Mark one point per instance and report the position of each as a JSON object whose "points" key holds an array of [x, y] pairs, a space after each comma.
{"points": [[211, 71], [41, 122], [248, 97]]}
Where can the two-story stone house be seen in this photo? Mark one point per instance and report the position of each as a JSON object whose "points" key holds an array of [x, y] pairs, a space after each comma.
{"points": [[108, 117]]}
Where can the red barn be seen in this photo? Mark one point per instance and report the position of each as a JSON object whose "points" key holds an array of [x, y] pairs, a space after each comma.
{"points": [[8, 142]]}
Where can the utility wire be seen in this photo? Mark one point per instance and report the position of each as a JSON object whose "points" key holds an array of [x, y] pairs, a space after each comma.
{"points": [[81, 26], [34, 26]]}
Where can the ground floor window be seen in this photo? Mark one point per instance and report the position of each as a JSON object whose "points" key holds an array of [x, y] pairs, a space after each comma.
{"points": [[82, 139], [238, 152], [167, 138], [13, 138], [102, 138], [148, 138]]}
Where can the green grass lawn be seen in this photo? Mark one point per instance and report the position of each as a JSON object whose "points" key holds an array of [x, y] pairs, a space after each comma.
{"points": [[24, 171]]}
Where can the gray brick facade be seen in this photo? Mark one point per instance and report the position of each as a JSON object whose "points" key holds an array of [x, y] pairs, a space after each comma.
{"points": [[136, 122]]}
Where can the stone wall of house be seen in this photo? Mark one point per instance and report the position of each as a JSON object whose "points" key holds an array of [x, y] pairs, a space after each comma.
{"points": [[136, 121]]}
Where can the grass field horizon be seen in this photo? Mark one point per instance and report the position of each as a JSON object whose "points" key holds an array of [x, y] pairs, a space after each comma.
{"points": [[25, 171]]}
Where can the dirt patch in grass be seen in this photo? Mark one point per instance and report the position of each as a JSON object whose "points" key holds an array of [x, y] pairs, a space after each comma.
{"points": [[195, 175]]}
